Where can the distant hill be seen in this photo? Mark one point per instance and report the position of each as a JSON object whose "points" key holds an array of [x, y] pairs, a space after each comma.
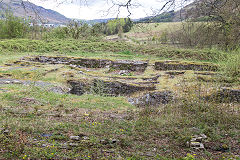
{"points": [[94, 21], [29, 10], [172, 16]]}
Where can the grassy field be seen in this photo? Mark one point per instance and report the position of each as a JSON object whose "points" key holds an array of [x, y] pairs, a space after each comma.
{"points": [[38, 124]]}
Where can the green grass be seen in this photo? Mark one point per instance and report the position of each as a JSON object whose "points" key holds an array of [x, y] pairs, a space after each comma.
{"points": [[153, 27], [165, 128], [160, 132], [105, 49]]}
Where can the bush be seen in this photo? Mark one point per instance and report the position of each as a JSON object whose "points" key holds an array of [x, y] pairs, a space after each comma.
{"points": [[231, 66], [60, 33], [117, 26], [13, 27]]}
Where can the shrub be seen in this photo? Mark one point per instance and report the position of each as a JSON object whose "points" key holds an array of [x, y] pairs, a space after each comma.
{"points": [[231, 66], [13, 27], [60, 33]]}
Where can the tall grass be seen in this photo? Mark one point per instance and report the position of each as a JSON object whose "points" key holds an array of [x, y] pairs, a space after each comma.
{"points": [[231, 66]]}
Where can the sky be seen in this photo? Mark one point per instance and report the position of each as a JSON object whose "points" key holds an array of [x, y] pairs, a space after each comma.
{"points": [[101, 9]]}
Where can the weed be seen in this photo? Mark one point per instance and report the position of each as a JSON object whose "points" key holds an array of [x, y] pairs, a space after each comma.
{"points": [[231, 66]]}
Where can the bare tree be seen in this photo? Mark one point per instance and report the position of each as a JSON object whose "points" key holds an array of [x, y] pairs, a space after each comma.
{"points": [[117, 5]]}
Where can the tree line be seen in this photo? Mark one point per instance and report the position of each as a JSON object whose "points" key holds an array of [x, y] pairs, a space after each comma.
{"points": [[15, 27]]}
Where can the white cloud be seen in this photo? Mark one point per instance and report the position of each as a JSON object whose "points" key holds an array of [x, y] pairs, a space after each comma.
{"points": [[97, 9]]}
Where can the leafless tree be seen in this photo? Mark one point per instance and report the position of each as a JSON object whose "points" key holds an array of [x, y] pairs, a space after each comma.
{"points": [[117, 5]]}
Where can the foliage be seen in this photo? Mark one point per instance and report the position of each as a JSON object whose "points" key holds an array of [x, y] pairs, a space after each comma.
{"points": [[118, 25], [231, 66], [223, 27], [75, 29], [13, 27], [163, 17], [78, 29]]}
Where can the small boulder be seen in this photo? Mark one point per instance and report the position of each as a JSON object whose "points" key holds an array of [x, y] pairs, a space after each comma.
{"points": [[75, 138]]}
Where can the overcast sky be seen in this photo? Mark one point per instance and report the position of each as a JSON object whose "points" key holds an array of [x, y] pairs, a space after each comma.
{"points": [[98, 9]]}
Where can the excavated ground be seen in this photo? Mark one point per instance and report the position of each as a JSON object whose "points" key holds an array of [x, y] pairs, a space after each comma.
{"points": [[142, 82]]}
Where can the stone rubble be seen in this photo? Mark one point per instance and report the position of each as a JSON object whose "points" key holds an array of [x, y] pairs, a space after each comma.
{"points": [[197, 142]]}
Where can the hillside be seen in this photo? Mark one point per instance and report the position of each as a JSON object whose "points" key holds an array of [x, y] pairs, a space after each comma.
{"points": [[171, 16], [32, 11]]}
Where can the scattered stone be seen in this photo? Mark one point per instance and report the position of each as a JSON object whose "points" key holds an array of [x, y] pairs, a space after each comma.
{"points": [[73, 144], [152, 99], [28, 101], [118, 116], [150, 154], [8, 64], [75, 138], [195, 130], [109, 151], [17, 82], [85, 138], [7, 82], [6, 131], [152, 78], [104, 141], [113, 141], [196, 145], [64, 146], [175, 73], [81, 72], [46, 135], [44, 145], [203, 136], [197, 141], [124, 73], [3, 90]]}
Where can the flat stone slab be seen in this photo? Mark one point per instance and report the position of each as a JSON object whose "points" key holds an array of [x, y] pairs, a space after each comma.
{"points": [[44, 85], [178, 65]]}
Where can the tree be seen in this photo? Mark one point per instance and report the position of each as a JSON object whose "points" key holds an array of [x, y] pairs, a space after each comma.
{"points": [[13, 27], [118, 5]]}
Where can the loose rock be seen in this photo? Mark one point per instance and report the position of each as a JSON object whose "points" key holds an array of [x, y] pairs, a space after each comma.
{"points": [[75, 138], [152, 99]]}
